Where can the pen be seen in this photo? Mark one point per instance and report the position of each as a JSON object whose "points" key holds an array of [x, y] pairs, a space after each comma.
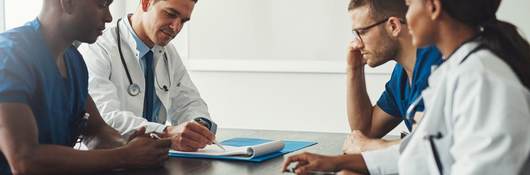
{"points": [[219, 145], [207, 125]]}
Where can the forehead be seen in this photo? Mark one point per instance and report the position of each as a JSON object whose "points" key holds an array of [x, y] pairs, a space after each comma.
{"points": [[360, 16], [184, 7]]}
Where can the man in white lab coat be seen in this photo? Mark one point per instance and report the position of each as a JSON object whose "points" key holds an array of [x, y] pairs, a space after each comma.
{"points": [[137, 78]]}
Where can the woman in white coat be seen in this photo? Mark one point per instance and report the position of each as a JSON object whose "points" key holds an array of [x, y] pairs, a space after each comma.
{"points": [[477, 106]]}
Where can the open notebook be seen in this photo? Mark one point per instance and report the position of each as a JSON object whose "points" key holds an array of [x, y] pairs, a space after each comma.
{"points": [[245, 149], [234, 151]]}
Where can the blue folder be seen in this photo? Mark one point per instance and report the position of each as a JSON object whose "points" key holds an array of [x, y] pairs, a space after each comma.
{"points": [[290, 146]]}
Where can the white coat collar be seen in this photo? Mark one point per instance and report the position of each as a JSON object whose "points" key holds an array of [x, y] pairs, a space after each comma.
{"points": [[460, 53]]}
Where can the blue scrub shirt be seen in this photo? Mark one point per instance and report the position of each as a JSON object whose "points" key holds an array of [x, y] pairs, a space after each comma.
{"points": [[29, 75], [399, 94]]}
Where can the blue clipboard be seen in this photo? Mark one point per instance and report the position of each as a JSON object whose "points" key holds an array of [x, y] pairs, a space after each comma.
{"points": [[290, 146]]}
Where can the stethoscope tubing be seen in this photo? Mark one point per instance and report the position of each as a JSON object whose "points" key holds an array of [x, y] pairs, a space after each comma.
{"points": [[133, 89]]}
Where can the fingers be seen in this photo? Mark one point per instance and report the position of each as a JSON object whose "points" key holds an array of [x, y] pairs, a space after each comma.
{"points": [[139, 132], [355, 45], [194, 136], [286, 163], [186, 148], [190, 136], [163, 143], [303, 169], [186, 141], [300, 158], [300, 164], [202, 130]]}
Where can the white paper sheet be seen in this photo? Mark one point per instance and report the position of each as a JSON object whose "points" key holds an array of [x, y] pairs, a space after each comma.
{"points": [[245, 151]]}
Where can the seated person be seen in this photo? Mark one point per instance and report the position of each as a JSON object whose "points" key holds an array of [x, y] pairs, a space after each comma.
{"points": [[477, 105], [44, 101], [380, 35], [131, 94]]}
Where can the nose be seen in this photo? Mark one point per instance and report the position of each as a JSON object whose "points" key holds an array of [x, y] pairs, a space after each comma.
{"points": [[176, 25], [358, 43], [108, 16]]}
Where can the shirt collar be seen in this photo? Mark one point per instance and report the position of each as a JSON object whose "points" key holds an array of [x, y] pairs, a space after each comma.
{"points": [[460, 53], [35, 24], [141, 47]]}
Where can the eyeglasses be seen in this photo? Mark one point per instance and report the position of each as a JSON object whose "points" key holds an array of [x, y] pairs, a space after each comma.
{"points": [[362, 30]]}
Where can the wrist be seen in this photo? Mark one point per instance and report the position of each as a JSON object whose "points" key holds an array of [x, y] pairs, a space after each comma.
{"points": [[353, 162], [355, 69], [338, 162]]}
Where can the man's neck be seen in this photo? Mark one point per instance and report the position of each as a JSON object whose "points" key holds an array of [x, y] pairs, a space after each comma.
{"points": [[407, 58], [137, 26], [55, 37]]}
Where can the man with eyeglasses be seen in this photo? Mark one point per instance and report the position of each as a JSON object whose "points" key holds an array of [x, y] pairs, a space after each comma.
{"points": [[380, 34]]}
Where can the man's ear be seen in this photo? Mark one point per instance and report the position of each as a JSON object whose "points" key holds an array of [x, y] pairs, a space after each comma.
{"points": [[395, 26], [67, 5], [145, 4], [434, 8]]}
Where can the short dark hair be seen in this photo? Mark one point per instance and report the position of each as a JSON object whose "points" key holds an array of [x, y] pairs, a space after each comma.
{"points": [[380, 9]]}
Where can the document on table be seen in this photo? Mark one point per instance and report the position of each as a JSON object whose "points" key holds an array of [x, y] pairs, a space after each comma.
{"points": [[242, 151]]}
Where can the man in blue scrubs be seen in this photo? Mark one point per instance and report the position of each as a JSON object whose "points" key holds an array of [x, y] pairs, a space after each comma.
{"points": [[380, 35], [44, 101]]}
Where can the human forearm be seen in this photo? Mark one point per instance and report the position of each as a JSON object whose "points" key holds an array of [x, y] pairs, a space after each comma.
{"points": [[354, 162], [44, 159], [105, 138], [359, 107], [100, 135]]}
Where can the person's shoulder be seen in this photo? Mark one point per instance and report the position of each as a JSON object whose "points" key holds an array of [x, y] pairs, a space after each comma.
{"points": [[16, 42], [16, 36], [486, 64]]}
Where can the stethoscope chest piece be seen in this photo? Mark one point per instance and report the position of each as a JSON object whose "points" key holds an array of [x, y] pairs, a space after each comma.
{"points": [[133, 89]]}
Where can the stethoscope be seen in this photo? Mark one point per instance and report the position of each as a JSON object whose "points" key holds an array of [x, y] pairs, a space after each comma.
{"points": [[431, 137], [134, 89]]}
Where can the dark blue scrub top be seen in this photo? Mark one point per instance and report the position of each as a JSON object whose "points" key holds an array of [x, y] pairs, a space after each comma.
{"points": [[399, 94], [29, 75]]}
